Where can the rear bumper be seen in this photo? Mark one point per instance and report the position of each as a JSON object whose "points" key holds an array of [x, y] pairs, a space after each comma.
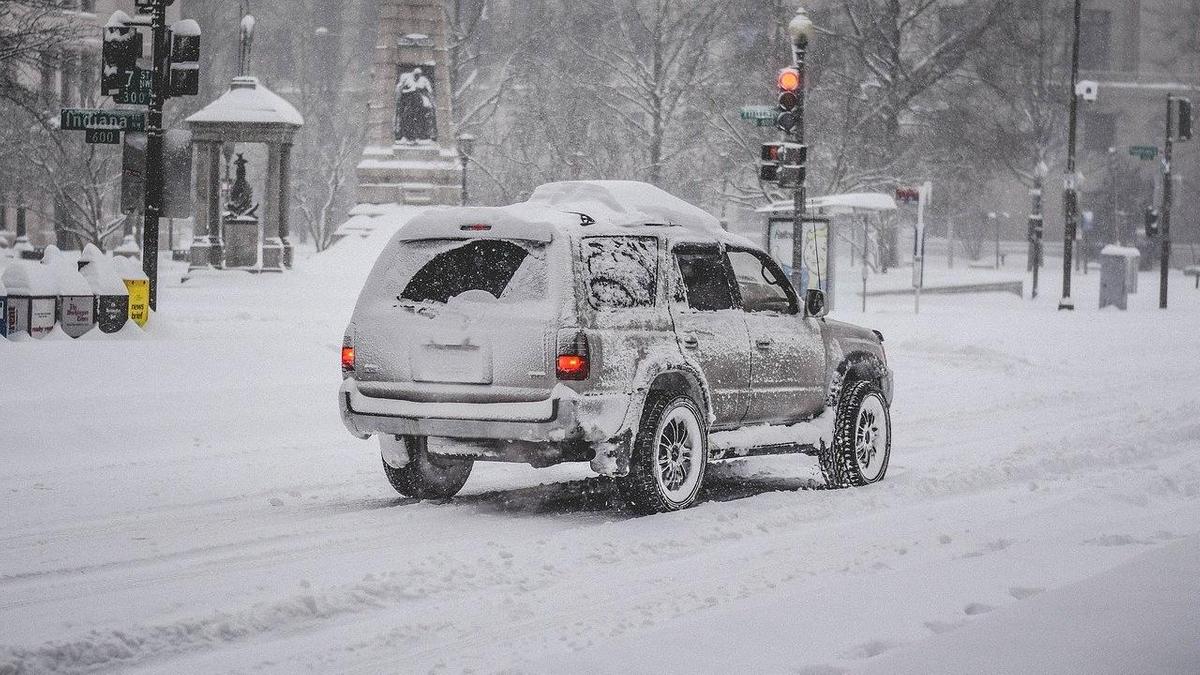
{"points": [[563, 418]]}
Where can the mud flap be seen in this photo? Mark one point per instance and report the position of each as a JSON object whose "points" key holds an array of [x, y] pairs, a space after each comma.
{"points": [[394, 451], [612, 456]]}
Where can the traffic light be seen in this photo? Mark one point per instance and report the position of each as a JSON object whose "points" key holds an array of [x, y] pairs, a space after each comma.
{"points": [[185, 58], [908, 195], [791, 85], [122, 48], [1151, 222], [783, 163], [1185, 119]]}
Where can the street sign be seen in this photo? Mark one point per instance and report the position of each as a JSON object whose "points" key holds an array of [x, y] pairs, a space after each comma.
{"points": [[82, 119], [761, 115], [1144, 152], [137, 89], [103, 136]]}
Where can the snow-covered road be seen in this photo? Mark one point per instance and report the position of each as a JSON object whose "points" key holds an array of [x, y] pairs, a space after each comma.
{"points": [[189, 502]]}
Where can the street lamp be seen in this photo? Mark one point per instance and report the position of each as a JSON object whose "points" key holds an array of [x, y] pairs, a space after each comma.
{"points": [[466, 146], [803, 33], [1071, 191]]}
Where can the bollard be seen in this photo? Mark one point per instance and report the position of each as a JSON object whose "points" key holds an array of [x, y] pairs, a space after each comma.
{"points": [[32, 299], [112, 297], [76, 311]]}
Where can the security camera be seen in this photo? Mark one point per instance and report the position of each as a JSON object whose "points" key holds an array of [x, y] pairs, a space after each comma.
{"points": [[1089, 90]]}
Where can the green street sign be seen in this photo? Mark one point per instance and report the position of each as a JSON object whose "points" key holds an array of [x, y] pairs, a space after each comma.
{"points": [[83, 119], [1144, 152], [136, 90], [759, 113], [105, 136]]}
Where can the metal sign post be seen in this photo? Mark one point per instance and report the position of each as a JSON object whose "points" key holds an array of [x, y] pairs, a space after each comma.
{"points": [[919, 246]]}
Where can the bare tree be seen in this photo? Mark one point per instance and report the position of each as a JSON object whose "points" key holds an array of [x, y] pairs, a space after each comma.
{"points": [[649, 58], [80, 184]]}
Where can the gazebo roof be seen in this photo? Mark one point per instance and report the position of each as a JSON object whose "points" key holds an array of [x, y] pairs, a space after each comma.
{"points": [[248, 102]]}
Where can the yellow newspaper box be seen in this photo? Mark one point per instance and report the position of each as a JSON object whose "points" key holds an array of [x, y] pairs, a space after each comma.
{"points": [[139, 288]]}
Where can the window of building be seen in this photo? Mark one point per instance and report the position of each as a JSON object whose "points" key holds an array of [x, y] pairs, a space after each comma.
{"points": [[1095, 40]]}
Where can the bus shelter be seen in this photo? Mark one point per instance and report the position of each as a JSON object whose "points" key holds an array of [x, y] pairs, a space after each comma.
{"points": [[829, 219]]}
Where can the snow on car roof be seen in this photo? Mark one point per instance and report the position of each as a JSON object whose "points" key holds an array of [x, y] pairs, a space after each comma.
{"points": [[562, 205]]}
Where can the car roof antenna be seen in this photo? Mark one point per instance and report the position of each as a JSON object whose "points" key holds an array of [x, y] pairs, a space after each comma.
{"points": [[584, 219]]}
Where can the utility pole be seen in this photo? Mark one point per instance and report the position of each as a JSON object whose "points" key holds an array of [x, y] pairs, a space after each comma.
{"points": [[1164, 232], [1071, 192], [1037, 223], [154, 141]]}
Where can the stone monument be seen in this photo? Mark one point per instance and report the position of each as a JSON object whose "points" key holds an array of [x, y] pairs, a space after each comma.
{"points": [[410, 156]]}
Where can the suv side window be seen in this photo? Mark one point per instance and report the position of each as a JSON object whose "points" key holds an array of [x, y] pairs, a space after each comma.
{"points": [[622, 272], [762, 284], [706, 280]]}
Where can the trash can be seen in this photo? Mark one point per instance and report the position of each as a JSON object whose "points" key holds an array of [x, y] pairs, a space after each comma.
{"points": [[112, 297], [32, 299], [138, 285], [76, 311], [1118, 270]]}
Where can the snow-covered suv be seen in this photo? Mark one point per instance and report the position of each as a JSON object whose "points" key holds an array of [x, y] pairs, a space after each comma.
{"points": [[605, 322]]}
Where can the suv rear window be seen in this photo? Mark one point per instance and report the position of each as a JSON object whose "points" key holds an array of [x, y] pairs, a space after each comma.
{"points": [[622, 272], [508, 271]]}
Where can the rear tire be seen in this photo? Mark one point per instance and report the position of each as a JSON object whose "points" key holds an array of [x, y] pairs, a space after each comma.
{"points": [[670, 455], [862, 441], [426, 477]]}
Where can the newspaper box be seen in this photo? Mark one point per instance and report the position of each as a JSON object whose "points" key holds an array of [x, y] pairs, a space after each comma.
{"points": [[32, 298], [3, 311], [76, 301], [112, 297], [138, 285]]}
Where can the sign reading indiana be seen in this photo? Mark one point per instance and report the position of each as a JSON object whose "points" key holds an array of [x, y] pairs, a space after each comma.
{"points": [[82, 119]]}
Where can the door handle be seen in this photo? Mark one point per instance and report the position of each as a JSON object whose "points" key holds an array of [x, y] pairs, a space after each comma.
{"points": [[764, 343], [690, 342]]}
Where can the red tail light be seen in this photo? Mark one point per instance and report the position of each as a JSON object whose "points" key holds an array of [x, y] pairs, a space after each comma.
{"points": [[573, 363], [347, 359]]}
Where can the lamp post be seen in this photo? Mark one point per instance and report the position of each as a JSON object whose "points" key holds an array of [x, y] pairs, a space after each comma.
{"points": [[1071, 192], [1037, 223], [466, 145], [802, 32]]}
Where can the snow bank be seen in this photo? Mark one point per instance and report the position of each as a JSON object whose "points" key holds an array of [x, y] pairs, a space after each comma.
{"points": [[101, 273], [29, 279]]}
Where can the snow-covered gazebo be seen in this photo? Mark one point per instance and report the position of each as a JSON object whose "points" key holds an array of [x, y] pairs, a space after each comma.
{"points": [[247, 113]]}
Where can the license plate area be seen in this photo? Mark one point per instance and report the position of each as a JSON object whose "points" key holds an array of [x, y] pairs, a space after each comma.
{"points": [[460, 363]]}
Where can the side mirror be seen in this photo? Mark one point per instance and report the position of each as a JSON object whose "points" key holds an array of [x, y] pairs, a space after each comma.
{"points": [[814, 303]]}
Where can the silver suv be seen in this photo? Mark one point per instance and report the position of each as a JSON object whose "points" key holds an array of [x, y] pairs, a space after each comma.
{"points": [[604, 322]]}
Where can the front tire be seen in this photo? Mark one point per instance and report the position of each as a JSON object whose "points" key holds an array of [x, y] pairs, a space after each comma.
{"points": [[670, 456], [862, 441], [426, 477]]}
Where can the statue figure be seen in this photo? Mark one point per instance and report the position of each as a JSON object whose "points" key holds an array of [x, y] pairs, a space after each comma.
{"points": [[241, 197], [416, 112]]}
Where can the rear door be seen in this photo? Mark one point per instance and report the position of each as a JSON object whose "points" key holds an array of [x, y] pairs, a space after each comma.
{"points": [[465, 320], [787, 369], [711, 328]]}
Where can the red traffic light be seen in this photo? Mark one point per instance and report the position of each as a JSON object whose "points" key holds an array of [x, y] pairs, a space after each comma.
{"points": [[790, 79], [908, 195]]}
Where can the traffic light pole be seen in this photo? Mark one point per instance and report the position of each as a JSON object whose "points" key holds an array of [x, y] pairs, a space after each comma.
{"points": [[1071, 194], [154, 147], [799, 196], [1164, 233]]}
